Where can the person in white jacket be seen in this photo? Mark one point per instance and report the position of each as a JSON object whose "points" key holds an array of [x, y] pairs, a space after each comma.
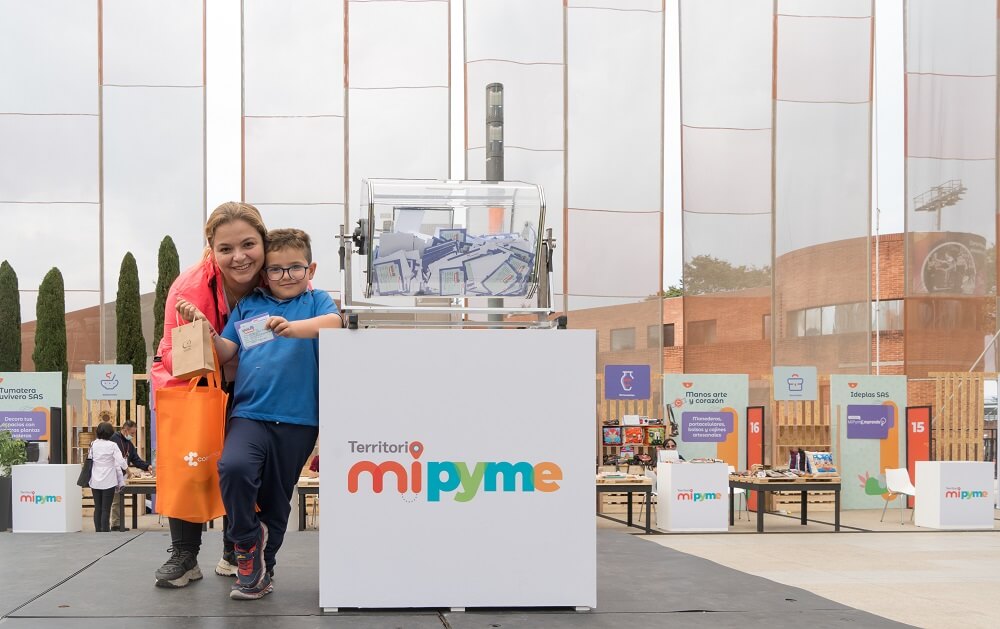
{"points": [[106, 475]]}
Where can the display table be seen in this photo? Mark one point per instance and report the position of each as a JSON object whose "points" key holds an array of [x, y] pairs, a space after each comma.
{"points": [[458, 466], [136, 487], [46, 498], [642, 486], [801, 485], [691, 497], [954, 495]]}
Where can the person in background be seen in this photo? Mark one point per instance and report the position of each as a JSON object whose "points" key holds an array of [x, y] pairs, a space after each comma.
{"points": [[123, 439], [108, 465], [670, 444], [229, 270], [797, 460]]}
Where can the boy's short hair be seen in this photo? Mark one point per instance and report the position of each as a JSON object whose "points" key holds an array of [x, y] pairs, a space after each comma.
{"points": [[289, 238], [105, 430]]}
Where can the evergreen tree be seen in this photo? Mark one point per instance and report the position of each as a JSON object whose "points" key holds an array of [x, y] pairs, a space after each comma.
{"points": [[10, 320], [50, 333], [170, 268], [131, 345]]}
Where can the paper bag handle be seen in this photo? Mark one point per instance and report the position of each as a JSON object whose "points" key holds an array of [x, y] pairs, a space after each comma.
{"points": [[214, 378]]}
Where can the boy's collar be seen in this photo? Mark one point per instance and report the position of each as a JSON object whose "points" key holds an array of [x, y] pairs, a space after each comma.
{"points": [[263, 290]]}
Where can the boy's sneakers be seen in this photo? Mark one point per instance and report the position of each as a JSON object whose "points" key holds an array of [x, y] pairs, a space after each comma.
{"points": [[179, 570], [227, 565], [258, 591], [252, 580]]}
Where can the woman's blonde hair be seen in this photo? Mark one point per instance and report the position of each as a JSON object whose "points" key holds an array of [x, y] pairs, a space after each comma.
{"points": [[234, 211]]}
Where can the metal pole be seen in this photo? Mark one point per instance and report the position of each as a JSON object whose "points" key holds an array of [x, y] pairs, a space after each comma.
{"points": [[494, 132], [494, 159]]}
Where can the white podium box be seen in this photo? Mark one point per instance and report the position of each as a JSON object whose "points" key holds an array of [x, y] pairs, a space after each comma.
{"points": [[954, 495], [46, 498], [457, 468], [692, 496]]}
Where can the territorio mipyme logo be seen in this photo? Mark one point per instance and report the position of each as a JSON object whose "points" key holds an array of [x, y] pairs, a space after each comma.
{"points": [[30, 497], [413, 476], [958, 493], [697, 496]]}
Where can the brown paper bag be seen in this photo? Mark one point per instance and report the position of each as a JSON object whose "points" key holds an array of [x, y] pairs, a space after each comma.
{"points": [[192, 350]]}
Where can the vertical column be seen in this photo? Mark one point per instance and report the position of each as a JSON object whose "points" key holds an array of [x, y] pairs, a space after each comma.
{"points": [[294, 121], [951, 185], [49, 160]]}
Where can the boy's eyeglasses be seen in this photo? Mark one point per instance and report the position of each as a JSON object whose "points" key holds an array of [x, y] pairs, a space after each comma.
{"points": [[295, 272]]}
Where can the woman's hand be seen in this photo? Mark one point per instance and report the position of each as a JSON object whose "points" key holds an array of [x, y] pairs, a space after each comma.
{"points": [[188, 310]]}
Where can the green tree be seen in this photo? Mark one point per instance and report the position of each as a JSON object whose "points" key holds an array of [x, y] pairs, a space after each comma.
{"points": [[10, 319], [131, 345], [708, 274], [50, 333], [169, 269]]}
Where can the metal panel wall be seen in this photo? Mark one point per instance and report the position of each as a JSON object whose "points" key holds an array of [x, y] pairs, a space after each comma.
{"points": [[951, 184], [294, 121], [50, 158], [519, 43], [152, 138], [822, 184], [726, 175]]}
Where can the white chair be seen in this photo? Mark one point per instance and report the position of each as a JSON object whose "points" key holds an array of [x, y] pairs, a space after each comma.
{"points": [[897, 482], [737, 494], [650, 474]]}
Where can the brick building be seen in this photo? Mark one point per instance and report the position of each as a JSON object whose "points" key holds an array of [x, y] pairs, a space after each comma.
{"points": [[821, 321]]}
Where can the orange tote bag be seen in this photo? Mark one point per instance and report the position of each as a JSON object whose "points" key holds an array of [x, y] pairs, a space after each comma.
{"points": [[190, 431]]}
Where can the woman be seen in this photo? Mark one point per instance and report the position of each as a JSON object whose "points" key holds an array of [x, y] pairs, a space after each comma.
{"points": [[229, 270], [670, 444], [106, 475]]}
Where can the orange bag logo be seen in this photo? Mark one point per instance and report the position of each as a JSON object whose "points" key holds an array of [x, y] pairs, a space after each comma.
{"points": [[193, 459]]}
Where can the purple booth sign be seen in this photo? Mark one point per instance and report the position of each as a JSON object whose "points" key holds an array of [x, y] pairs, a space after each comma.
{"points": [[706, 426], [24, 425], [626, 382], [869, 421]]}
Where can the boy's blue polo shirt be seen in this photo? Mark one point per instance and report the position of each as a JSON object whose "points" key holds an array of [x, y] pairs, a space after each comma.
{"points": [[279, 380]]}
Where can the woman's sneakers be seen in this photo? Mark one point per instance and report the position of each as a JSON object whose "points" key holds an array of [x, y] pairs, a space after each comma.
{"points": [[179, 570], [252, 579], [227, 565]]}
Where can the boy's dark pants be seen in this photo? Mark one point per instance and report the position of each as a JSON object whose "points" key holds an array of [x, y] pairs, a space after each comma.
{"points": [[260, 466]]}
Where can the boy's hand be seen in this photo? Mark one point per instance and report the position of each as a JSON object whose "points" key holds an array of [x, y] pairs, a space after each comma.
{"points": [[188, 310], [282, 327]]}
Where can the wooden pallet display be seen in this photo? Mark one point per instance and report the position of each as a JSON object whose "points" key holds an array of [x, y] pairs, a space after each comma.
{"points": [[803, 424], [791, 501], [957, 421], [799, 424], [81, 423]]}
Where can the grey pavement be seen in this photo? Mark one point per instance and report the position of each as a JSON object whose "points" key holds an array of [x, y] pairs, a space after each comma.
{"points": [[105, 581]]}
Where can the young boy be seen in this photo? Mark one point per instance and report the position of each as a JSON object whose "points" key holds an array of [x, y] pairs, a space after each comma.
{"points": [[275, 416]]}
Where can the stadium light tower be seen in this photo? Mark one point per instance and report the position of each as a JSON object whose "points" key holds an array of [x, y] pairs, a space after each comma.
{"points": [[939, 197]]}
